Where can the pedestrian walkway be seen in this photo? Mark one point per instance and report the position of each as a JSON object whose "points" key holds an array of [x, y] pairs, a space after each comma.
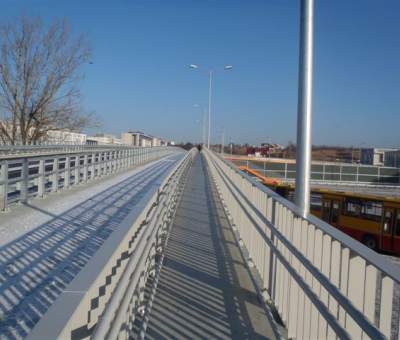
{"points": [[205, 290]]}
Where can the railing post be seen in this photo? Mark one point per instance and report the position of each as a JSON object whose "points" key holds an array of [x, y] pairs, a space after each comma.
{"points": [[24, 181], [67, 174], [85, 168], [115, 160], [100, 170], [41, 178], [77, 169], [3, 186], [56, 172], [98, 163], [92, 166]]}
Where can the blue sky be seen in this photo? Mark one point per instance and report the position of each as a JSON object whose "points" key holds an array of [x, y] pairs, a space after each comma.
{"points": [[140, 77]]}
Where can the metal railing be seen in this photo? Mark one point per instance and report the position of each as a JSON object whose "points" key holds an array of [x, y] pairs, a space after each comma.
{"points": [[324, 171], [24, 178], [103, 300], [19, 149], [324, 284]]}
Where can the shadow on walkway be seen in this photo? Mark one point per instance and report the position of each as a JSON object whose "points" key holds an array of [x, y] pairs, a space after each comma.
{"points": [[204, 291], [36, 267]]}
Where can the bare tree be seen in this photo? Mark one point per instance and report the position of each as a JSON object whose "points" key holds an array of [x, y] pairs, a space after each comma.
{"points": [[39, 79]]}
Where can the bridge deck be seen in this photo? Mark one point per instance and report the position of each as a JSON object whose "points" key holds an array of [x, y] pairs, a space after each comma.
{"points": [[204, 290], [45, 244]]}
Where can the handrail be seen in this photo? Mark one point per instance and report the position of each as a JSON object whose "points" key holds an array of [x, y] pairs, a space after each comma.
{"points": [[358, 174], [26, 177], [95, 304], [307, 265]]}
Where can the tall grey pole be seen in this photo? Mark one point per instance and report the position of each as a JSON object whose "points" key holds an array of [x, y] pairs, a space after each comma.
{"points": [[223, 137], [228, 67], [209, 111], [304, 115], [204, 127], [204, 124]]}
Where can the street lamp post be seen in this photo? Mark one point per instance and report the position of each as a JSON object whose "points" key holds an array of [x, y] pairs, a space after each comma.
{"points": [[304, 114], [359, 159], [223, 136], [210, 71], [204, 123]]}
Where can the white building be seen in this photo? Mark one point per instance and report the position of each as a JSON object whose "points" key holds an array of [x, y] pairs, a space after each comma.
{"points": [[66, 137], [136, 138], [103, 138], [374, 156], [392, 158]]}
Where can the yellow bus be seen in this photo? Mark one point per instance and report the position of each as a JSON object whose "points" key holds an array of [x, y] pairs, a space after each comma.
{"points": [[372, 220]]}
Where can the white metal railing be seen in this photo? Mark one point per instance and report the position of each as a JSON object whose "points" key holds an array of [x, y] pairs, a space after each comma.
{"points": [[20, 149], [24, 178], [324, 284], [102, 301], [323, 171]]}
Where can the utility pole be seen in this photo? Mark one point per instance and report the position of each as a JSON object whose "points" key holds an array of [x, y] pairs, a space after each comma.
{"points": [[303, 157], [222, 146]]}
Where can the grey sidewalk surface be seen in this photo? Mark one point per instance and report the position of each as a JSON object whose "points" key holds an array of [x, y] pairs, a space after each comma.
{"points": [[204, 290]]}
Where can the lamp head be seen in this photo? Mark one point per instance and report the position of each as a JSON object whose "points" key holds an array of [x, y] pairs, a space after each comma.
{"points": [[228, 67], [193, 66]]}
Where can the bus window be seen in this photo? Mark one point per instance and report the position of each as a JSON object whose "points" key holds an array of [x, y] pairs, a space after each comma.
{"points": [[316, 201], [367, 209], [398, 225], [387, 225], [335, 213], [372, 210], [352, 207], [327, 210]]}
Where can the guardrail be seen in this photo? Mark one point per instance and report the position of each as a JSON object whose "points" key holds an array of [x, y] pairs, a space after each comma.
{"points": [[324, 284], [14, 150], [28, 177], [322, 172], [102, 301]]}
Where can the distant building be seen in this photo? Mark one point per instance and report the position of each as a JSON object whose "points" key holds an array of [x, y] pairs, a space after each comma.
{"points": [[103, 138], [137, 138], [272, 146], [258, 152], [392, 158], [264, 150], [374, 156], [66, 137]]}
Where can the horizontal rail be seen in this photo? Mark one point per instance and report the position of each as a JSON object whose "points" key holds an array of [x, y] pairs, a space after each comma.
{"points": [[323, 283], [35, 176], [283, 169], [21, 149], [102, 301]]}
